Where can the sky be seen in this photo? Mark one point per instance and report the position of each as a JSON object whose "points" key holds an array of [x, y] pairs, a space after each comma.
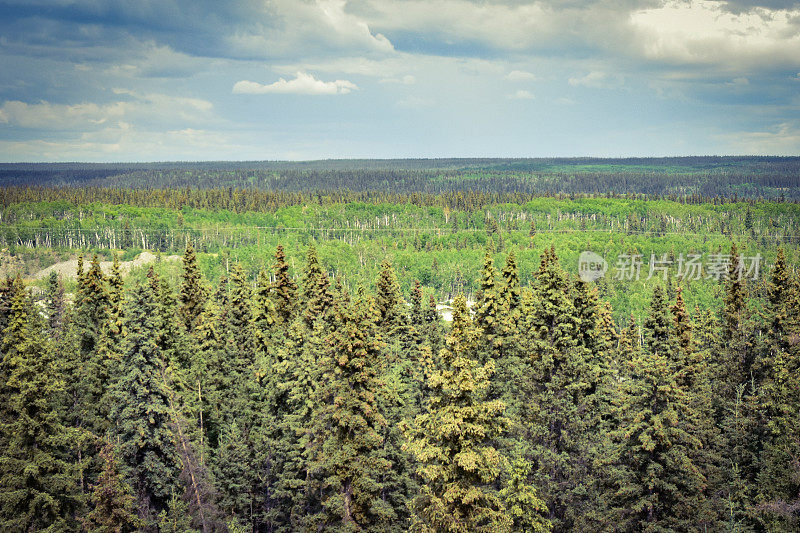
{"points": [[187, 80]]}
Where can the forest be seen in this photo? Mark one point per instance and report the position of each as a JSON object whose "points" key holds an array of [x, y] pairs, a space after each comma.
{"points": [[292, 369]]}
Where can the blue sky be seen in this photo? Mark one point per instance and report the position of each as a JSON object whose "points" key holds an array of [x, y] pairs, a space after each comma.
{"points": [[154, 80]]}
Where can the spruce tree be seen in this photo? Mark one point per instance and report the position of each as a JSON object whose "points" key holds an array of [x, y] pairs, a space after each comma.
{"points": [[111, 499], [779, 403], [389, 301], [140, 411], [348, 442], [55, 305], [38, 487], [192, 294], [658, 485], [284, 291], [560, 379], [93, 368], [116, 299], [316, 299], [487, 308], [453, 441]]}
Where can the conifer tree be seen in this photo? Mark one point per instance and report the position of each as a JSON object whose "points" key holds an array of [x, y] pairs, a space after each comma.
{"points": [[559, 382], [779, 404], [92, 324], [487, 308], [38, 488], [658, 486], [510, 290], [348, 444], [389, 300], [296, 382], [113, 505], [316, 298], [417, 315], [453, 441], [140, 410], [284, 289], [192, 294], [55, 306], [116, 299]]}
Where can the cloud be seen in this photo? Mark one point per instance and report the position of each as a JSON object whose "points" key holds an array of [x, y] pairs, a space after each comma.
{"points": [[704, 32], [303, 83], [595, 79], [301, 29], [521, 95], [125, 142], [520, 75], [408, 79], [89, 115], [780, 139]]}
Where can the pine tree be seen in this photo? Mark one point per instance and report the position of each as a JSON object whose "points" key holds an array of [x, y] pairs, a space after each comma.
{"points": [[453, 441], [316, 299], [113, 504], [389, 301], [55, 306], [192, 295], [658, 486], [487, 308], [140, 411], [348, 445], [284, 289], [37, 486], [116, 300]]}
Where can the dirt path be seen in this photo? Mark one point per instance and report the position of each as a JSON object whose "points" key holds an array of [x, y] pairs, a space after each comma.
{"points": [[69, 269]]}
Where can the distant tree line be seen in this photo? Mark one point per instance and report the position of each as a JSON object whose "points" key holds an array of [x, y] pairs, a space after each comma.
{"points": [[497, 179]]}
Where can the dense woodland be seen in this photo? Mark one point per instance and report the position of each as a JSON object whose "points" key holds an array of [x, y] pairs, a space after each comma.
{"points": [[297, 404], [292, 373], [511, 179]]}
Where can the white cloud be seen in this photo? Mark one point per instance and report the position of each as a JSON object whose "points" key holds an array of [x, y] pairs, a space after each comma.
{"points": [[781, 139], [125, 142], [520, 75], [292, 29], [303, 83], [595, 79], [703, 32], [89, 115], [521, 95]]}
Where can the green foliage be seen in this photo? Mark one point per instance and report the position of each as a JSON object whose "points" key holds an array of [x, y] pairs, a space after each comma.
{"points": [[141, 412], [452, 441], [192, 294], [113, 504], [38, 487], [348, 456]]}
